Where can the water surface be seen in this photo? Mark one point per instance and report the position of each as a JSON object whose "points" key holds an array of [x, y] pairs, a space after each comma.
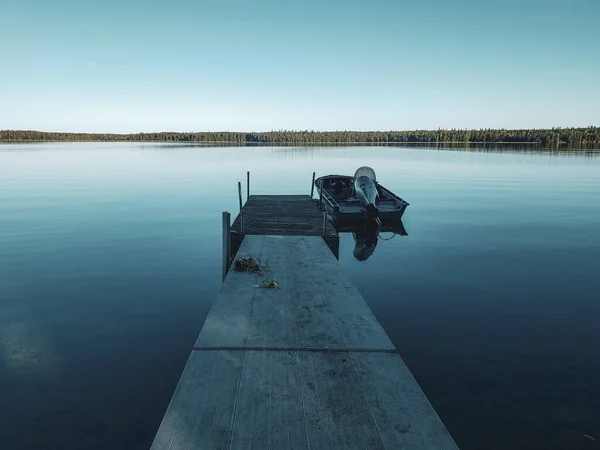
{"points": [[110, 261]]}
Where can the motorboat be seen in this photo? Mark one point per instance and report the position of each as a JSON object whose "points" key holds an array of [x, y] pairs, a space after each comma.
{"points": [[358, 197]]}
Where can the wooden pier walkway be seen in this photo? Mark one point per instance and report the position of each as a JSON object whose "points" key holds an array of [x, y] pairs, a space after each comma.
{"points": [[282, 215], [303, 366]]}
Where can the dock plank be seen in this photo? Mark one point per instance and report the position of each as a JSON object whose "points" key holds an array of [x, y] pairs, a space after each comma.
{"points": [[195, 405], [315, 306], [283, 215], [227, 322], [340, 409], [270, 322], [223, 420], [359, 326], [402, 412], [296, 399]]}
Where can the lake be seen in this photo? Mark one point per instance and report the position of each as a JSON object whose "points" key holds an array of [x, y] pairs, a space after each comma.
{"points": [[110, 258]]}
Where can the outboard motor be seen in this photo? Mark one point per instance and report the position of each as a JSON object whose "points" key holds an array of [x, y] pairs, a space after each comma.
{"points": [[366, 191]]}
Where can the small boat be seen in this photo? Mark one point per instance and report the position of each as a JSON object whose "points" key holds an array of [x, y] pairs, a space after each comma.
{"points": [[359, 197]]}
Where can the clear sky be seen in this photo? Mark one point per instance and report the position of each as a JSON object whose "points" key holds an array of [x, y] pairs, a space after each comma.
{"points": [[256, 65]]}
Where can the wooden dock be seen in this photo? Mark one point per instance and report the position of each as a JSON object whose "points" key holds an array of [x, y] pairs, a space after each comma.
{"points": [[304, 366], [282, 215]]}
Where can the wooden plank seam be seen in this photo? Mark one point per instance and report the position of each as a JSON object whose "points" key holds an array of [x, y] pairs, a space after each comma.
{"points": [[297, 349]]}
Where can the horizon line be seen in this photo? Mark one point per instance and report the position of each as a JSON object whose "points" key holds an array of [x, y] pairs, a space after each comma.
{"points": [[303, 131]]}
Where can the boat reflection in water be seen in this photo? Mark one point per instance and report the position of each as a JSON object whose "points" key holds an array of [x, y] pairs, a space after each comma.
{"points": [[366, 234]]}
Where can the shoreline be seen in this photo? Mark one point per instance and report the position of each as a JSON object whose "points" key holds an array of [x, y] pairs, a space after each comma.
{"points": [[457, 144], [584, 137]]}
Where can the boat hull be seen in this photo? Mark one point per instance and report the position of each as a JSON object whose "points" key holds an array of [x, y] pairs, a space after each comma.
{"points": [[338, 198]]}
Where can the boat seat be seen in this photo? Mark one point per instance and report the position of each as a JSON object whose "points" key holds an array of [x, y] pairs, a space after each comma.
{"points": [[339, 190]]}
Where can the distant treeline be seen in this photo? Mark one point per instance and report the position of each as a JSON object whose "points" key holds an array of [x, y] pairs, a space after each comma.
{"points": [[555, 136]]}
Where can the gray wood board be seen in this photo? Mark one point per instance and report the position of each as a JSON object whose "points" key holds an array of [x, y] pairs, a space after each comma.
{"points": [[291, 400], [315, 307], [282, 214], [225, 315]]}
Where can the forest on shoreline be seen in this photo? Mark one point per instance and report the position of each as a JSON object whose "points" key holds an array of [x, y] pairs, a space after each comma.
{"points": [[555, 136]]}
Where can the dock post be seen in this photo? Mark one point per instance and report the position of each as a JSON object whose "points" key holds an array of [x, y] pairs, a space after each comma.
{"points": [[312, 186], [248, 186], [324, 224], [240, 194], [226, 242], [321, 197]]}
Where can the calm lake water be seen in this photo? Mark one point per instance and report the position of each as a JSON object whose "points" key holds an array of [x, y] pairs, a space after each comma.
{"points": [[110, 260]]}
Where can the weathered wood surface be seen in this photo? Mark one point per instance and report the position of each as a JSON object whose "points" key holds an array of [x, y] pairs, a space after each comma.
{"points": [[282, 215], [327, 378], [315, 307], [252, 399]]}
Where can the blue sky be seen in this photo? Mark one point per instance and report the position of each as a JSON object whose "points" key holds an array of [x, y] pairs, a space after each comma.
{"points": [[183, 65]]}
